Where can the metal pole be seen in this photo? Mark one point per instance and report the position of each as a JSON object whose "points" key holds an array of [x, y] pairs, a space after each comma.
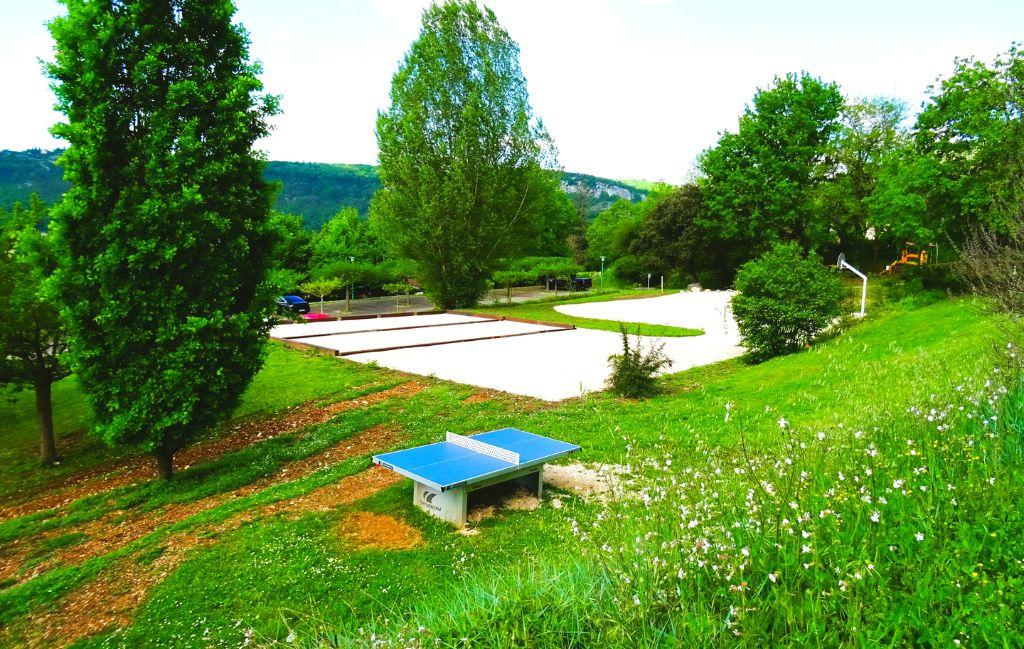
{"points": [[648, 281], [662, 283], [602, 272], [864, 285], [348, 292]]}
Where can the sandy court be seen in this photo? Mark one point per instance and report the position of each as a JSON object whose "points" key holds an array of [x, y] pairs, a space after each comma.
{"points": [[707, 310], [304, 329], [347, 343], [548, 363], [563, 364]]}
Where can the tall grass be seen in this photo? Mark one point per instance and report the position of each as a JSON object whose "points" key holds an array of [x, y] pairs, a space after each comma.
{"points": [[905, 533]]}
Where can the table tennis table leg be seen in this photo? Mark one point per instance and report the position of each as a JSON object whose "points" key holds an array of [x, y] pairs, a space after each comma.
{"points": [[449, 505]]}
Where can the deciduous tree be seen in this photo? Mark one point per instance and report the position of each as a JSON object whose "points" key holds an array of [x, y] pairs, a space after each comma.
{"points": [[32, 337], [462, 159], [759, 181], [164, 228]]}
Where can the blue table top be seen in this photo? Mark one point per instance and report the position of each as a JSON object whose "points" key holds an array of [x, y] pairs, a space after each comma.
{"points": [[445, 465]]}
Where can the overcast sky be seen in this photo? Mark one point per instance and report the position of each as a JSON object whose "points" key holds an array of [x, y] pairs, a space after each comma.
{"points": [[627, 88]]}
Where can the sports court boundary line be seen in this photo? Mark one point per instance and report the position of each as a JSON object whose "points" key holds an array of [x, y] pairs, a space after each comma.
{"points": [[555, 325], [442, 342], [366, 331]]}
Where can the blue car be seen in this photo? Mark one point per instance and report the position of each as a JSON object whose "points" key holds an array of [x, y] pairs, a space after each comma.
{"points": [[292, 304]]}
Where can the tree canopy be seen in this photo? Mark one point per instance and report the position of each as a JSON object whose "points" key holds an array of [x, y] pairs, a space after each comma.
{"points": [[165, 226], [462, 159], [32, 336], [759, 182]]}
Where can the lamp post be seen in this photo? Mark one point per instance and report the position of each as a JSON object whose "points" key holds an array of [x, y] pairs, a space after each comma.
{"points": [[348, 291], [602, 272]]}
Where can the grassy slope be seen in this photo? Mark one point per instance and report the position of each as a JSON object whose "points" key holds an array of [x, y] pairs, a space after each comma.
{"points": [[286, 379], [280, 571], [544, 311]]}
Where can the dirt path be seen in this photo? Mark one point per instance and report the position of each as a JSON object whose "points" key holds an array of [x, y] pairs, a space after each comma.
{"points": [[119, 528], [242, 435], [113, 598]]}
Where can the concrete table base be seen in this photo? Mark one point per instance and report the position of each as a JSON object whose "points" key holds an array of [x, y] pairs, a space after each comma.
{"points": [[452, 504]]}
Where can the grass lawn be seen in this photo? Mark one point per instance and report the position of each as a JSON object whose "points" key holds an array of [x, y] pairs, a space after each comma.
{"points": [[544, 311], [252, 544]]}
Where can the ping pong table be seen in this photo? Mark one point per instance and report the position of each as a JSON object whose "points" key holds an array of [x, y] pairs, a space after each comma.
{"points": [[444, 473]]}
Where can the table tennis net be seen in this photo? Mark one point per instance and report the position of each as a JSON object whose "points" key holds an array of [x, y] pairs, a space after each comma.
{"points": [[502, 454]]}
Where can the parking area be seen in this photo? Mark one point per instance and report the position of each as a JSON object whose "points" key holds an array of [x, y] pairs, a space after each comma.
{"points": [[549, 362]]}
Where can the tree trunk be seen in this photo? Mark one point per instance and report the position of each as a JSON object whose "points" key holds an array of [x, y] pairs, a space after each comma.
{"points": [[44, 414], [165, 463]]}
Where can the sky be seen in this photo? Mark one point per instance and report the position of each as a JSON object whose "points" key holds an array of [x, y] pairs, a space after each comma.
{"points": [[627, 88]]}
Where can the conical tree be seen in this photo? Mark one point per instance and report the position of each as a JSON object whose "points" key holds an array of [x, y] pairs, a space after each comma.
{"points": [[165, 226], [462, 160]]}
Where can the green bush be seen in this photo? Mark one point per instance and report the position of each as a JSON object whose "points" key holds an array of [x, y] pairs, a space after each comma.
{"points": [[784, 301], [939, 277], [635, 370], [627, 270]]}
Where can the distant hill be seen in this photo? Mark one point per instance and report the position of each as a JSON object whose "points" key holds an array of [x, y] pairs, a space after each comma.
{"points": [[599, 193], [25, 172], [317, 190], [313, 190]]}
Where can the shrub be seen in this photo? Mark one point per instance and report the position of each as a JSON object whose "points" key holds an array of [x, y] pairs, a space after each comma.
{"points": [[635, 370], [626, 270], [785, 300]]}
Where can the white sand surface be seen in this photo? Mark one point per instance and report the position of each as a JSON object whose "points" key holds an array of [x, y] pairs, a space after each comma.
{"points": [[707, 310], [369, 324], [563, 364], [353, 342]]}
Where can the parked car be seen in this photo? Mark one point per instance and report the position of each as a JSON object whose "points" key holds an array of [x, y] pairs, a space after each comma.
{"points": [[574, 284], [292, 304]]}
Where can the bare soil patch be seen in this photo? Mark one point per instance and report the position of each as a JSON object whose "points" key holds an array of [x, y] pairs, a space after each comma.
{"points": [[112, 599], [119, 528], [599, 480], [490, 501], [379, 531], [109, 600], [240, 436]]}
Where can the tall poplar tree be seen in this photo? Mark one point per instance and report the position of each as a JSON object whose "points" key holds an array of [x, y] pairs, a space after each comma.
{"points": [[165, 226], [461, 157]]}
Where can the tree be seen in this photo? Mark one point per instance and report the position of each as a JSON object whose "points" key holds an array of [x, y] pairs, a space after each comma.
{"points": [[972, 133], [611, 231], [870, 133], [462, 160], [342, 237], [671, 241], [291, 242], [32, 338], [164, 229], [321, 288], [759, 182], [555, 222], [346, 273], [784, 300]]}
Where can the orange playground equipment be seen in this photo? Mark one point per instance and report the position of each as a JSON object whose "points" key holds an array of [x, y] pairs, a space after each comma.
{"points": [[909, 256]]}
